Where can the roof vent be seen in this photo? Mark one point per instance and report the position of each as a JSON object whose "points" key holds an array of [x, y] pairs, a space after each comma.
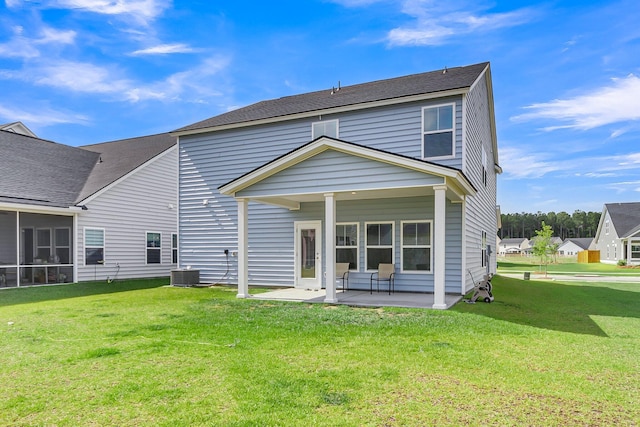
{"points": [[445, 70]]}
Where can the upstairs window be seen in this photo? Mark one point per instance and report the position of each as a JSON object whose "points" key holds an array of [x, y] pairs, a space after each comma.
{"points": [[437, 131], [484, 166], [324, 128]]}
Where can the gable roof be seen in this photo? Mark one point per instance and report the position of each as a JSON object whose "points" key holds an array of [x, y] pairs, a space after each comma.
{"points": [[18, 127], [118, 158], [458, 80], [582, 242], [41, 172], [625, 217], [457, 182]]}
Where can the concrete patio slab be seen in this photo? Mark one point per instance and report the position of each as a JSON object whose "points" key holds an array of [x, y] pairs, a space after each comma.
{"points": [[357, 298]]}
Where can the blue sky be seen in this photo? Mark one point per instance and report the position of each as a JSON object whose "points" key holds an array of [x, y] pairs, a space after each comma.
{"points": [[566, 74]]}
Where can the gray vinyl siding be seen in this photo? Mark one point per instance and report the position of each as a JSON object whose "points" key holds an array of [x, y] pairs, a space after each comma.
{"points": [[340, 172], [607, 241], [481, 207], [145, 201], [208, 220]]}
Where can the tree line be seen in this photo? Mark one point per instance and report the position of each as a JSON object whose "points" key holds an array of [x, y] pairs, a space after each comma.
{"points": [[563, 225]]}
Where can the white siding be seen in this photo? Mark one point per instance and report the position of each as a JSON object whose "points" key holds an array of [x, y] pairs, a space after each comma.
{"points": [[146, 200]]}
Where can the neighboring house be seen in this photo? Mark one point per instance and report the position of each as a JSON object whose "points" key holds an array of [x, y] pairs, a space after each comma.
{"points": [[513, 246], [571, 247], [618, 234], [399, 171], [86, 213], [18, 127]]}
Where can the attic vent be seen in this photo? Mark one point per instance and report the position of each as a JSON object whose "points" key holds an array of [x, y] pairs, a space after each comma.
{"points": [[445, 70], [334, 89]]}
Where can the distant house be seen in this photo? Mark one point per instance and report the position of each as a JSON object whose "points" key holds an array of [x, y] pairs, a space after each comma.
{"points": [[77, 214], [571, 246], [618, 234], [513, 246], [17, 127], [399, 171]]}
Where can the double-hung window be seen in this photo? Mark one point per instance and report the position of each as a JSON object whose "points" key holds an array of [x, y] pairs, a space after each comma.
{"points": [[483, 248], [324, 128], [93, 246], [379, 244], [347, 244], [174, 248], [416, 246], [154, 245], [437, 131]]}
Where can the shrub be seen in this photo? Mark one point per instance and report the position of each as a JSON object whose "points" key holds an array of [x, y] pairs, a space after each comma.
{"points": [[622, 263]]}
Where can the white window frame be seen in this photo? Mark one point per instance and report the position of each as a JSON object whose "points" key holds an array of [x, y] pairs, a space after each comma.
{"points": [[147, 247], [42, 246], [404, 245], [483, 248], [324, 124], [56, 246], [103, 247], [484, 166], [367, 246], [631, 244], [350, 247], [174, 248], [452, 129], [606, 227]]}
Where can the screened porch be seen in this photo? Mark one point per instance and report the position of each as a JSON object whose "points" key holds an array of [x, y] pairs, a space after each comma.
{"points": [[35, 249]]}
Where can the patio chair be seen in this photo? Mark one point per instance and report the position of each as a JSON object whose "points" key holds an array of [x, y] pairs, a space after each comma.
{"points": [[342, 273], [385, 273]]}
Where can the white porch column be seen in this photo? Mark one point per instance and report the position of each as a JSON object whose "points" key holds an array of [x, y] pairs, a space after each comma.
{"points": [[330, 247], [439, 255], [243, 248]]}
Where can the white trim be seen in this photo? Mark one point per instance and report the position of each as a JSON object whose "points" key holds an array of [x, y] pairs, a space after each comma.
{"points": [[101, 191], [330, 248], [439, 256], [392, 246], [174, 248], [453, 130], [335, 110], [429, 246], [465, 250], [26, 208], [243, 248]]}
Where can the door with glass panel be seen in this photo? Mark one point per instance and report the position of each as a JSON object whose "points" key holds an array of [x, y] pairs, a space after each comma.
{"points": [[308, 259]]}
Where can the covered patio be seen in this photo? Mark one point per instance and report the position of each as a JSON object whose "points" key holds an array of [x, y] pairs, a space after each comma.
{"points": [[330, 171], [357, 298]]}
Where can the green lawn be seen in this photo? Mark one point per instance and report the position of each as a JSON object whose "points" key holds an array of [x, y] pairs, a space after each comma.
{"points": [[563, 266], [140, 354]]}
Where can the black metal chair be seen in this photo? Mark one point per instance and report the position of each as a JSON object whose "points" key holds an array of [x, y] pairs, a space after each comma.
{"points": [[342, 273]]}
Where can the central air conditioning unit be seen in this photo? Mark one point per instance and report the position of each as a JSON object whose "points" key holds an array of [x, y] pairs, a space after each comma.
{"points": [[185, 277]]}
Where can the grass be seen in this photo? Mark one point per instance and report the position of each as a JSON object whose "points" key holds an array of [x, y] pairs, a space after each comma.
{"points": [[135, 353], [563, 266]]}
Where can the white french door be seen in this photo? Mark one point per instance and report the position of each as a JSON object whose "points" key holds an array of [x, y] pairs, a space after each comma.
{"points": [[308, 250]]}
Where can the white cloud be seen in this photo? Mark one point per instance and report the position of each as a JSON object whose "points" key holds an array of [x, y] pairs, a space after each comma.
{"points": [[41, 115], [165, 49], [517, 163], [199, 82], [436, 22], [141, 11], [22, 46], [616, 103], [79, 77]]}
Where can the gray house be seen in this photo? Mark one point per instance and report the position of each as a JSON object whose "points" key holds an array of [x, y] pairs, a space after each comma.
{"points": [[618, 234], [571, 246], [90, 213], [399, 171]]}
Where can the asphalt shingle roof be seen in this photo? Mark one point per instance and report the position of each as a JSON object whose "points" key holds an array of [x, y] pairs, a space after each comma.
{"points": [[45, 173], [625, 217], [118, 158], [415, 84], [40, 172]]}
